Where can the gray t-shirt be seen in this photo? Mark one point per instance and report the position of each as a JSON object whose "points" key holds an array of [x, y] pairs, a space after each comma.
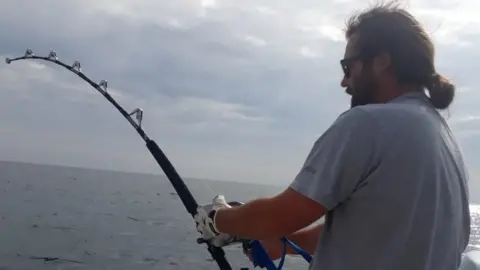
{"points": [[394, 182]]}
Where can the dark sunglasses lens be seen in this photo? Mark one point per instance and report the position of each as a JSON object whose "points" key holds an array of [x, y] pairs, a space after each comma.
{"points": [[345, 63], [346, 70]]}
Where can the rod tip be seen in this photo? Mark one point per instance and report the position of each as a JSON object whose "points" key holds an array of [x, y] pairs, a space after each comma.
{"points": [[8, 60]]}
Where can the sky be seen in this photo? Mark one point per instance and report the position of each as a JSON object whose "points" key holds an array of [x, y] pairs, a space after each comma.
{"points": [[231, 90]]}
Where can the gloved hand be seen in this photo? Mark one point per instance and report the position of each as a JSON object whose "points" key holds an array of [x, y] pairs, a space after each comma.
{"points": [[205, 219]]}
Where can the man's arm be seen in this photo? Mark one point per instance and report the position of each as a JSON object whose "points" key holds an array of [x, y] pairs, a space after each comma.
{"points": [[269, 218], [339, 160]]}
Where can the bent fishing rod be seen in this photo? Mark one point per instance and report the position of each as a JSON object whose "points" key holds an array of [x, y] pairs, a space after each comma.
{"points": [[179, 185], [260, 256]]}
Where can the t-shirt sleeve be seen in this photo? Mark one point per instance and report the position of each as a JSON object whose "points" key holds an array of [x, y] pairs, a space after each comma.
{"points": [[339, 159]]}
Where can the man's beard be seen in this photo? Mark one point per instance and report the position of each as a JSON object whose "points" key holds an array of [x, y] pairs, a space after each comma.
{"points": [[364, 91]]}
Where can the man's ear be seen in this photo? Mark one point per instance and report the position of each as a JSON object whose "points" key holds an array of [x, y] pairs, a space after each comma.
{"points": [[381, 63]]}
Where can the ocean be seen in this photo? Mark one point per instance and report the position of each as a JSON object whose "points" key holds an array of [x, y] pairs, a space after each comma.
{"points": [[94, 219]]}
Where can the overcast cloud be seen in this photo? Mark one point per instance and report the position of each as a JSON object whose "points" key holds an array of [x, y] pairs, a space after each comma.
{"points": [[231, 90]]}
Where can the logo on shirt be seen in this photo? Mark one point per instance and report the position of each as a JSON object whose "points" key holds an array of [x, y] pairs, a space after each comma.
{"points": [[310, 169]]}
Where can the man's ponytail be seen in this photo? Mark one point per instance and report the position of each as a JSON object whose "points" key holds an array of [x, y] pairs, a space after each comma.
{"points": [[441, 91]]}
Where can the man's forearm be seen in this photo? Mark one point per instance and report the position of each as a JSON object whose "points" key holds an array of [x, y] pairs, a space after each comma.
{"points": [[238, 221], [269, 218], [250, 221]]}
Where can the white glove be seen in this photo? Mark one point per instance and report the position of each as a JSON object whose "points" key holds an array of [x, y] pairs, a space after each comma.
{"points": [[205, 219]]}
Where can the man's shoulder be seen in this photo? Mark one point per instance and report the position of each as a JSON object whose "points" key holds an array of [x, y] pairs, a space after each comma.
{"points": [[351, 126], [388, 109], [387, 114], [355, 116], [363, 118], [386, 122], [370, 112]]}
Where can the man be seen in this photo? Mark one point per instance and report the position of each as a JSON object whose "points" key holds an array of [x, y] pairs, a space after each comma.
{"points": [[387, 175]]}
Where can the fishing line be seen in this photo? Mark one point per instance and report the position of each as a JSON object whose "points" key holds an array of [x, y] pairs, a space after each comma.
{"points": [[208, 187]]}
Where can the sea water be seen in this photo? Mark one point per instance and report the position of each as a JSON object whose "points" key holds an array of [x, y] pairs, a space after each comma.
{"points": [[55, 217]]}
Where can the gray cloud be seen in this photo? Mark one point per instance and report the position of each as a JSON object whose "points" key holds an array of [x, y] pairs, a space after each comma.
{"points": [[217, 82]]}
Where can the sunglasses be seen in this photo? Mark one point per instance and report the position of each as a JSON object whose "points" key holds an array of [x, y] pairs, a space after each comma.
{"points": [[346, 63]]}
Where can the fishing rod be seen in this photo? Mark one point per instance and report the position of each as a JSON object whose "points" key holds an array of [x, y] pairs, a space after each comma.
{"points": [[178, 184], [259, 255]]}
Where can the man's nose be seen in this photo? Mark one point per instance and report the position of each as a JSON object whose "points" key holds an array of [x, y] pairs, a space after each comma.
{"points": [[344, 82]]}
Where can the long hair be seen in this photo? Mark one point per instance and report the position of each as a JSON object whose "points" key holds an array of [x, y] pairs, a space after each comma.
{"points": [[391, 29]]}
